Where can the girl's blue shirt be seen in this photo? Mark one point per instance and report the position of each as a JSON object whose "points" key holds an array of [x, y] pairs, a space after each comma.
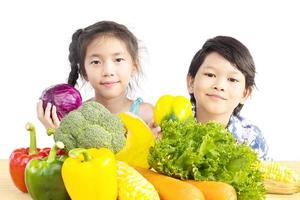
{"points": [[248, 134], [135, 106]]}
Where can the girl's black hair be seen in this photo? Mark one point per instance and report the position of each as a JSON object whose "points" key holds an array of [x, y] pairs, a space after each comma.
{"points": [[82, 37], [233, 51]]}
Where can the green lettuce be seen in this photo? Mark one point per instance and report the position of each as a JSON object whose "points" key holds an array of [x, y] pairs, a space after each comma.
{"points": [[191, 150]]}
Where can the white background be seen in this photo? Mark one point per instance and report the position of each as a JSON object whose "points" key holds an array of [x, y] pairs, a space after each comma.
{"points": [[35, 35]]}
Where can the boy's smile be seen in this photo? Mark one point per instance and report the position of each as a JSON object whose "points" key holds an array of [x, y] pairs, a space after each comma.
{"points": [[218, 87], [216, 96]]}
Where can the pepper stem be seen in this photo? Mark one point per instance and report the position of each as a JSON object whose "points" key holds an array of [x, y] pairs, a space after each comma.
{"points": [[32, 146], [75, 153], [53, 151]]}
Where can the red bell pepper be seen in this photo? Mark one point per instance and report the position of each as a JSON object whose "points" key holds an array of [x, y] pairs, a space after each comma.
{"points": [[20, 157]]}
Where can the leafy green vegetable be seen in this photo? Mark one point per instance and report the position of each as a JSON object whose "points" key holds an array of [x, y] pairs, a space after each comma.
{"points": [[190, 150]]}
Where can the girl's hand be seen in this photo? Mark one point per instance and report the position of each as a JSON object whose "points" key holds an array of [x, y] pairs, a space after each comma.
{"points": [[156, 130], [47, 117]]}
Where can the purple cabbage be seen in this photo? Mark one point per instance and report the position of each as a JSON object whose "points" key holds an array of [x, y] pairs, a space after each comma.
{"points": [[64, 96]]}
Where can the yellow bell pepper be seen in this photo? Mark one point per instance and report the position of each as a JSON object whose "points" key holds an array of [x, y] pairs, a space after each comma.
{"points": [[90, 174], [172, 107]]}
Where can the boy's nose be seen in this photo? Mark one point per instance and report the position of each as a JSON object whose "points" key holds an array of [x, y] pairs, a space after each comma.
{"points": [[218, 88], [220, 85]]}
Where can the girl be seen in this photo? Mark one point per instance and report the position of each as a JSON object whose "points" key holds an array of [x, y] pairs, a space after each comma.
{"points": [[104, 54], [219, 80]]}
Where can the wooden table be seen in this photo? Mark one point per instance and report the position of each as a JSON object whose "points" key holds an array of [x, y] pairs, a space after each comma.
{"points": [[9, 192]]}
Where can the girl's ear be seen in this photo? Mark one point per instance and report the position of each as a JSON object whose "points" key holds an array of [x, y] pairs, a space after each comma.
{"points": [[247, 93], [83, 73], [190, 83], [86, 78], [134, 69]]}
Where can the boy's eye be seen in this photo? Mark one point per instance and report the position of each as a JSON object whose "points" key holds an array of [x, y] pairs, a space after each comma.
{"points": [[119, 59], [233, 80], [210, 74]]}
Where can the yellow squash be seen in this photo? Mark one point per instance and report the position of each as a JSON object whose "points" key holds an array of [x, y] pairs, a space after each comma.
{"points": [[90, 174], [139, 140]]}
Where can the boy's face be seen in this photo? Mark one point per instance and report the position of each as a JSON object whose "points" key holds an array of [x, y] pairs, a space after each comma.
{"points": [[108, 67], [218, 87]]}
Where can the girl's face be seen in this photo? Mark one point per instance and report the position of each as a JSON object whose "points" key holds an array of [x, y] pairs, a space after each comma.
{"points": [[108, 67], [218, 87]]}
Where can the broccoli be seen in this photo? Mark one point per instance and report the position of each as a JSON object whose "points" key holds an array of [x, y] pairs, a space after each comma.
{"points": [[91, 125]]}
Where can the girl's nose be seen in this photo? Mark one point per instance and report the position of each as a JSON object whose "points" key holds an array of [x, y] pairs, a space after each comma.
{"points": [[108, 69], [107, 74]]}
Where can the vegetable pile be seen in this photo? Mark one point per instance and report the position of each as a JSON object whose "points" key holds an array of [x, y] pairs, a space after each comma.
{"points": [[207, 152], [109, 157]]}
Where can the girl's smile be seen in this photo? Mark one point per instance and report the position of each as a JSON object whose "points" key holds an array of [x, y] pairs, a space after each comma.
{"points": [[109, 84]]}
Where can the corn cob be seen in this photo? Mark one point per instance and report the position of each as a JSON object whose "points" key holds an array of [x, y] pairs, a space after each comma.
{"points": [[279, 178], [132, 185]]}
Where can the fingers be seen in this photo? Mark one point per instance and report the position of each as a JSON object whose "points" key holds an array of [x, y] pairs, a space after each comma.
{"points": [[47, 117], [40, 110], [55, 119], [152, 124], [47, 111], [156, 130]]}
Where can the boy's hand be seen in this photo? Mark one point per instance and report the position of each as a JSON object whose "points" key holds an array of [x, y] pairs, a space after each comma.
{"points": [[47, 117], [156, 130]]}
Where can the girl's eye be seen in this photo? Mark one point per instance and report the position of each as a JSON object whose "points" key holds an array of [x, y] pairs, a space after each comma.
{"points": [[209, 74], [119, 59], [95, 62], [233, 80]]}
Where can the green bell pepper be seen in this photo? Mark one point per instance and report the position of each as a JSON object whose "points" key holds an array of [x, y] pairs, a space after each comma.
{"points": [[43, 176]]}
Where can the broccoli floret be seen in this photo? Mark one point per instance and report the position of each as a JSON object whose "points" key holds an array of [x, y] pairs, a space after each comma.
{"points": [[95, 136], [91, 125]]}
